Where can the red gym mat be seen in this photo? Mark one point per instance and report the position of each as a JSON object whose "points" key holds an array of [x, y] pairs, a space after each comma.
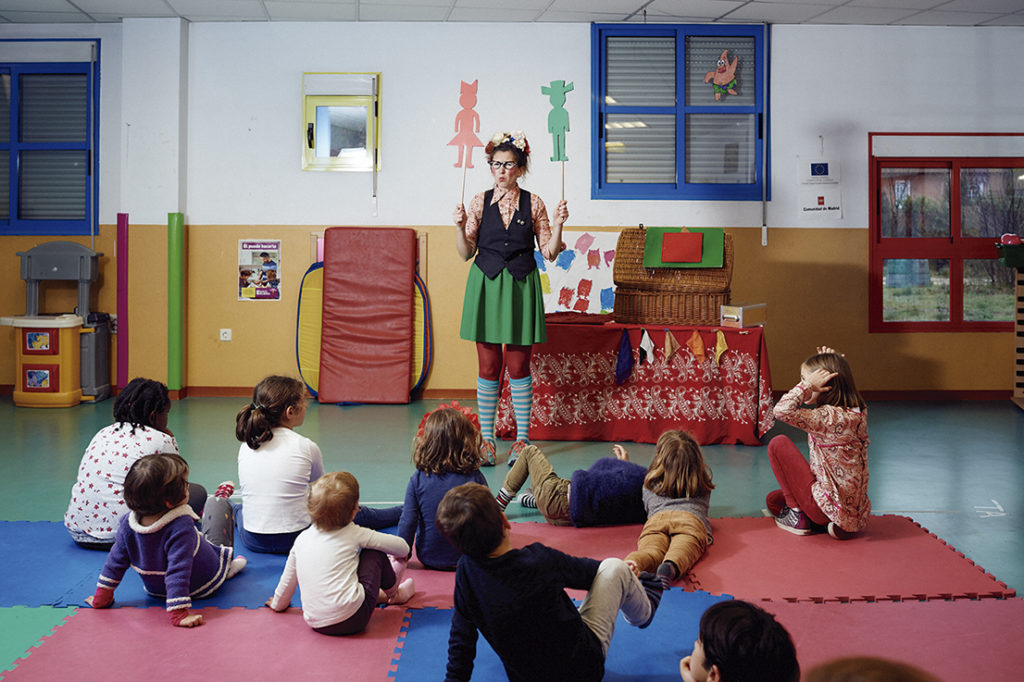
{"points": [[366, 340], [231, 644], [954, 640], [894, 558]]}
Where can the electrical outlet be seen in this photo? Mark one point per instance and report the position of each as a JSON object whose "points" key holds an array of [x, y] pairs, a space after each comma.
{"points": [[225, 334]]}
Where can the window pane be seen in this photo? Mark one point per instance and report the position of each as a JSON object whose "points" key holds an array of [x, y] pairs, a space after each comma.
{"points": [[5, 108], [640, 148], [5, 187], [702, 68], [641, 71], [992, 202], [915, 290], [54, 107], [915, 202], [341, 131], [720, 148], [52, 185], [988, 290]]}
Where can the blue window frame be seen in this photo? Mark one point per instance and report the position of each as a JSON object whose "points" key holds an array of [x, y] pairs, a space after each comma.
{"points": [[48, 141], [662, 127]]}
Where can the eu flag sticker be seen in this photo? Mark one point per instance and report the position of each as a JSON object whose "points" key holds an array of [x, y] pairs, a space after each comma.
{"points": [[819, 170]]}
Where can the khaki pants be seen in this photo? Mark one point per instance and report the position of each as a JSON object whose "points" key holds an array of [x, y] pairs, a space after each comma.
{"points": [[676, 536], [552, 492]]}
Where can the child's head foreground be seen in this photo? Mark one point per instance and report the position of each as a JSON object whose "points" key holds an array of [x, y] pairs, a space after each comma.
{"points": [[868, 669], [143, 402], [156, 483], [470, 518], [740, 642], [678, 469], [276, 401], [449, 443], [333, 500], [841, 390]]}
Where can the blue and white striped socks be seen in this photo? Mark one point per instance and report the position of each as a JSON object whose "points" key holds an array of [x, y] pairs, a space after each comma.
{"points": [[487, 406], [522, 405]]}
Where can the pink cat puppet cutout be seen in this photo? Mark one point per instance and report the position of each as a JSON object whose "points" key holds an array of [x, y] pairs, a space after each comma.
{"points": [[467, 122], [723, 78]]}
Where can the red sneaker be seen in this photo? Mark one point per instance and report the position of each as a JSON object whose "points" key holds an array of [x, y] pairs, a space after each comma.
{"points": [[797, 523]]}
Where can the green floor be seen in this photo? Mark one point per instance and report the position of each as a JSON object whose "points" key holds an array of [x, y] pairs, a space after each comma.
{"points": [[956, 468]]}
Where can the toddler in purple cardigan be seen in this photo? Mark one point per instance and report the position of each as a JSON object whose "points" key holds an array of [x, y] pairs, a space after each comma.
{"points": [[159, 539]]}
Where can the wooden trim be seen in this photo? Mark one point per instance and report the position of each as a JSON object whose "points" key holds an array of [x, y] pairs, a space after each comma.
{"points": [[449, 394], [220, 391], [926, 395]]}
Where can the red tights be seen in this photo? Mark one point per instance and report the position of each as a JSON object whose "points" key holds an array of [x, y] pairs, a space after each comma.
{"points": [[795, 478], [517, 359]]}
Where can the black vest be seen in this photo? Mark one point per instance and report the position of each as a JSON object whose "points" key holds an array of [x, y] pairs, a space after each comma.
{"points": [[498, 248]]}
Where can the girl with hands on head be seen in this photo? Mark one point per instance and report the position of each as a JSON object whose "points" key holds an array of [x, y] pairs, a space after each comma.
{"points": [[503, 309], [829, 492]]}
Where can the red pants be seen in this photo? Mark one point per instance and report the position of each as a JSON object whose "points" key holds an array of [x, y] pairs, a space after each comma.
{"points": [[795, 478]]}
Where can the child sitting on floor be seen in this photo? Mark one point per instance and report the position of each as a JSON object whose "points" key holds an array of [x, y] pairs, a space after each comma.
{"points": [[740, 642], [677, 492], [342, 568], [605, 494], [447, 453], [158, 538], [831, 492], [516, 597]]}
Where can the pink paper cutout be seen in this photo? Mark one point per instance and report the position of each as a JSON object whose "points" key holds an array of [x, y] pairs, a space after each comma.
{"points": [[609, 256], [584, 242], [467, 122]]}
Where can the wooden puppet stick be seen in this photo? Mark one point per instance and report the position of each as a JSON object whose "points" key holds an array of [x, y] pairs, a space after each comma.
{"points": [[462, 196], [563, 180]]}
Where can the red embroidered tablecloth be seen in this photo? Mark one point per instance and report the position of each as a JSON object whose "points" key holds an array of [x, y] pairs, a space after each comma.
{"points": [[575, 396]]}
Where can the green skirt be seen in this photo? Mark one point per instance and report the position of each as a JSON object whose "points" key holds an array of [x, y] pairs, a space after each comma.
{"points": [[503, 309]]}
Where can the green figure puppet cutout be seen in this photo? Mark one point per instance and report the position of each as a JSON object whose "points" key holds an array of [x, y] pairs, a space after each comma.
{"points": [[558, 119]]}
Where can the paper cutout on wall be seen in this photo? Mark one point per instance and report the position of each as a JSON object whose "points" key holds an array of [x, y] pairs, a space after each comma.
{"points": [[467, 123], [558, 119], [585, 271]]}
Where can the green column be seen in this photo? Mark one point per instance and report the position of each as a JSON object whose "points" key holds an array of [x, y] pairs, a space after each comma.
{"points": [[175, 299]]}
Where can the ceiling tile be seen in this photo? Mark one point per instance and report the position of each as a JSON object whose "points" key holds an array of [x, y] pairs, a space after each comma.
{"points": [[219, 10], [44, 17], [401, 12], [863, 15], [778, 12], [699, 9], [129, 8], [939, 18], [983, 6], [909, 4], [492, 14], [310, 11]]}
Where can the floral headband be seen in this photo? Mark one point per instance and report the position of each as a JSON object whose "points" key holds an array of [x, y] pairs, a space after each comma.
{"points": [[517, 138], [473, 418]]}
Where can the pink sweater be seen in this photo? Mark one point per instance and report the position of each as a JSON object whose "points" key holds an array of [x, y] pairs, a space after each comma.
{"points": [[838, 440]]}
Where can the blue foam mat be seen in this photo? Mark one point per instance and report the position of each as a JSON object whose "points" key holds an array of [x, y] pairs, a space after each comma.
{"points": [[649, 654], [45, 568]]}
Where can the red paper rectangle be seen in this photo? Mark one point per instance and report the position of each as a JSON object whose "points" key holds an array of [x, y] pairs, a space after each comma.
{"points": [[682, 247]]}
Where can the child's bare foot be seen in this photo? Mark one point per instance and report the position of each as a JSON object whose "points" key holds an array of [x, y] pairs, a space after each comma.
{"points": [[620, 452]]}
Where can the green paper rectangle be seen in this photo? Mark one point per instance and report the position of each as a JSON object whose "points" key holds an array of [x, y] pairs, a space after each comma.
{"points": [[713, 255]]}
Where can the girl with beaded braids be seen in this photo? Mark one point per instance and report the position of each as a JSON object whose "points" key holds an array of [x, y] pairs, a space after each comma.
{"points": [[139, 429], [276, 466], [503, 303]]}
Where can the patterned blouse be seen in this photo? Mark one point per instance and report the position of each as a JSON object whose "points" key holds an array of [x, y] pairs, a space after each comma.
{"points": [[838, 442], [508, 202]]}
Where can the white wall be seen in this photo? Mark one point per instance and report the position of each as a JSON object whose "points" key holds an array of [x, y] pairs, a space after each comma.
{"points": [[244, 120]]}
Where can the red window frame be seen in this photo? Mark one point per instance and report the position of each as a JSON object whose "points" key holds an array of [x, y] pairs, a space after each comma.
{"points": [[956, 248]]}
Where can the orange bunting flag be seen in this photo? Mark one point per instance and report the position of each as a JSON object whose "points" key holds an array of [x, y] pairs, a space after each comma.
{"points": [[671, 345], [696, 344], [720, 346]]}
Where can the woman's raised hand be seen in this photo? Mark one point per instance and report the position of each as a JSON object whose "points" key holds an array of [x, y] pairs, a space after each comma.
{"points": [[459, 216]]}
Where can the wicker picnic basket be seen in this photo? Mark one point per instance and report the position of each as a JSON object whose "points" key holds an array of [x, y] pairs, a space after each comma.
{"points": [[666, 295]]}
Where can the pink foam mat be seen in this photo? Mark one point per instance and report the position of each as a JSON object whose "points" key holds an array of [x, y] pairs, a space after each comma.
{"points": [[893, 559], [954, 640], [232, 644]]}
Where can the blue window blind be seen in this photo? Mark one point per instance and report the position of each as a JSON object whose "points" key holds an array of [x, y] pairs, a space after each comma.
{"points": [[659, 130]]}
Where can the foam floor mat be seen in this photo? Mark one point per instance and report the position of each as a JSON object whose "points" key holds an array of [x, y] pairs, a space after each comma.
{"points": [[232, 644], [962, 639], [894, 558], [63, 574], [649, 654]]}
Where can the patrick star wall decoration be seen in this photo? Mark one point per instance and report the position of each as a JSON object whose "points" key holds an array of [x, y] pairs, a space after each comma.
{"points": [[723, 78]]}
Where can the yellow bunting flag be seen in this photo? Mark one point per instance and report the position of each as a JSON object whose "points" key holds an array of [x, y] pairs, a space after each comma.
{"points": [[720, 346]]}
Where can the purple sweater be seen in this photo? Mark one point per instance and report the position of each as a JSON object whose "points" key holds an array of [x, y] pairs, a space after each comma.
{"points": [[172, 557], [422, 496]]}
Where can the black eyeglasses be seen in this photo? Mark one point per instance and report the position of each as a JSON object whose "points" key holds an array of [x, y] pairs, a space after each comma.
{"points": [[508, 165]]}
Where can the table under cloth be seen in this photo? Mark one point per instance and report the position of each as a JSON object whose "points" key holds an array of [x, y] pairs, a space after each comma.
{"points": [[576, 397]]}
